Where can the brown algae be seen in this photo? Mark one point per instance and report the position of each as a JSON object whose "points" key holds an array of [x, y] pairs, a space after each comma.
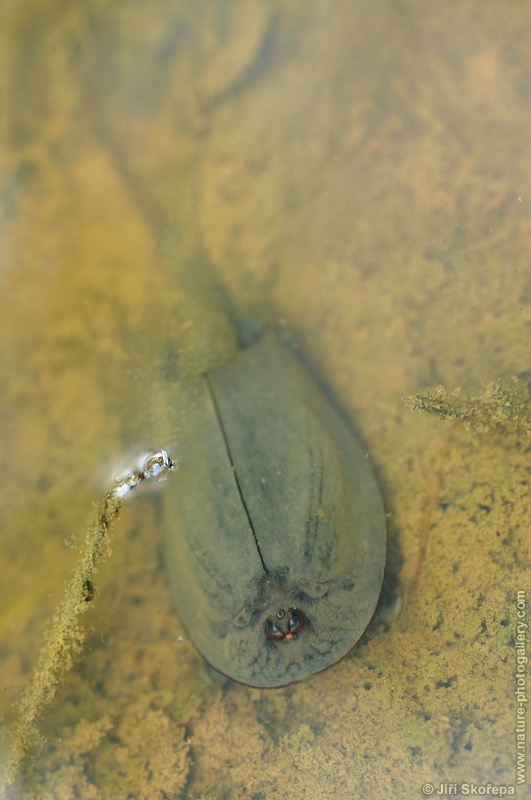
{"points": [[65, 635], [503, 407]]}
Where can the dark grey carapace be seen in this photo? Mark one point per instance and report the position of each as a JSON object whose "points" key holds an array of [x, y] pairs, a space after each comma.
{"points": [[275, 528]]}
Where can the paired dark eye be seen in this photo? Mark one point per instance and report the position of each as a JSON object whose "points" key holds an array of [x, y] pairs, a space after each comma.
{"points": [[285, 624]]}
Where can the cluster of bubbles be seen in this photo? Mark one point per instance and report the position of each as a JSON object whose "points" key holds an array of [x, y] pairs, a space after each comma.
{"points": [[156, 466]]}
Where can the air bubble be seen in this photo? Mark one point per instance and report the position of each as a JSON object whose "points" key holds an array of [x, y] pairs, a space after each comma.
{"points": [[156, 466], [127, 484]]}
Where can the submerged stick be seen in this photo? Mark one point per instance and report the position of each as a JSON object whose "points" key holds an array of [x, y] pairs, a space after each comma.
{"points": [[65, 636]]}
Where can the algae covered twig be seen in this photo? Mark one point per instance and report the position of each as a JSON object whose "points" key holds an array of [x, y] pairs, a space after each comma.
{"points": [[65, 635], [503, 407]]}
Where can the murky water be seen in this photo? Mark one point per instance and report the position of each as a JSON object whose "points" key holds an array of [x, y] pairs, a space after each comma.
{"points": [[358, 174]]}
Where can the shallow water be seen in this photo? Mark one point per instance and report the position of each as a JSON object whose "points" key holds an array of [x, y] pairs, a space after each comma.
{"points": [[357, 174]]}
